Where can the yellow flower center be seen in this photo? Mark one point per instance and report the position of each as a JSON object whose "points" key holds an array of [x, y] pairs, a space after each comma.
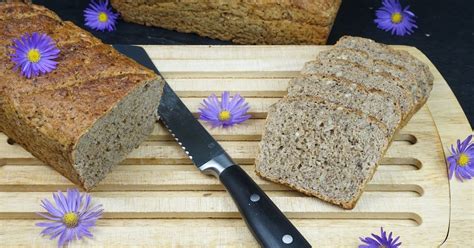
{"points": [[103, 17], [33, 55], [71, 219], [224, 115], [463, 159], [397, 17]]}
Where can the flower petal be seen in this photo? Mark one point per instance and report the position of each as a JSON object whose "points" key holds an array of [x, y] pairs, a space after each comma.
{"points": [[51, 208], [49, 217]]}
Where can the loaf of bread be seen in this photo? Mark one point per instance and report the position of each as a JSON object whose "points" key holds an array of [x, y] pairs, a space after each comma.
{"points": [[382, 106], [239, 21], [321, 149], [86, 115]]}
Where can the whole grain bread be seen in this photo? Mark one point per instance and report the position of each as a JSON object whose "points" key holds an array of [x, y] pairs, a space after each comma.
{"points": [[244, 22], [321, 149], [362, 75], [379, 51], [407, 78], [382, 106], [85, 116]]}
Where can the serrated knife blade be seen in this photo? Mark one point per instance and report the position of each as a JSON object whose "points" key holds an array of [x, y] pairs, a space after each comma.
{"points": [[197, 143], [267, 223]]}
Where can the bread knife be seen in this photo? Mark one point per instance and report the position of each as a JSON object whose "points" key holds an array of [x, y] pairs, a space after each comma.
{"points": [[267, 223]]}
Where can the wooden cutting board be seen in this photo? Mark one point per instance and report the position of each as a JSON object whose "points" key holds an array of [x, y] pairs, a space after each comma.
{"points": [[156, 198]]}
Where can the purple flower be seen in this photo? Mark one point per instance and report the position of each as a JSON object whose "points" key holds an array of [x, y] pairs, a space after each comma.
{"points": [[34, 54], [461, 161], [99, 16], [377, 241], [392, 17], [71, 218], [230, 111]]}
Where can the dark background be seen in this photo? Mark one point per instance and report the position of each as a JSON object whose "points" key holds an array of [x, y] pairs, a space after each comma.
{"points": [[445, 35]]}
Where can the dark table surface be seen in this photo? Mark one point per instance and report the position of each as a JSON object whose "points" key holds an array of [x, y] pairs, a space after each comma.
{"points": [[445, 35]]}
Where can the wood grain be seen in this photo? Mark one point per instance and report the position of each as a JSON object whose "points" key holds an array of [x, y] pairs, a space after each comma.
{"points": [[156, 193]]}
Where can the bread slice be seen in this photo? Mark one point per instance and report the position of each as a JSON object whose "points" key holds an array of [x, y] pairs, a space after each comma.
{"points": [[382, 106], [404, 59], [84, 117], [358, 56], [321, 149], [361, 74]]}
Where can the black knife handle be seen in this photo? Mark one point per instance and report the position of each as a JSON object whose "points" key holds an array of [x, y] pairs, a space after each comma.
{"points": [[267, 223]]}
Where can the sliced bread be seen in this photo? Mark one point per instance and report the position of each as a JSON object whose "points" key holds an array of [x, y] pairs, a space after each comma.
{"points": [[357, 56], [404, 59], [361, 74], [321, 149], [382, 106]]}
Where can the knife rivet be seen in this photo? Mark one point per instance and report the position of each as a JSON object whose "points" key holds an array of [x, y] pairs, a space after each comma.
{"points": [[254, 198], [187, 153], [190, 157], [179, 143], [287, 239], [184, 148]]}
